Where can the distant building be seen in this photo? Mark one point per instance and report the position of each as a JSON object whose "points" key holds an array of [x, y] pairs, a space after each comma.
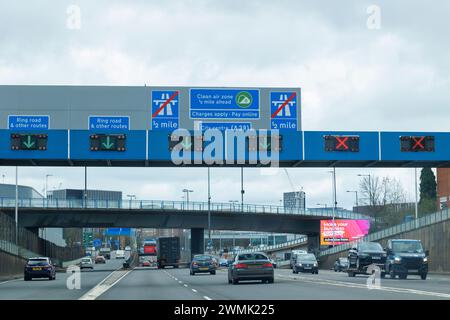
{"points": [[77, 194], [24, 192], [54, 235], [294, 200]]}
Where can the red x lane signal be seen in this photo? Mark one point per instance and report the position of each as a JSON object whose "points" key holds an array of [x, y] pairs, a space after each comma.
{"points": [[417, 143], [341, 143]]}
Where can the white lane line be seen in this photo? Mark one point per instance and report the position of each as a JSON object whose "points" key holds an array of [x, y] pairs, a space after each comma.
{"points": [[207, 298], [194, 290], [102, 287], [185, 285], [363, 286], [180, 282], [176, 279], [8, 281]]}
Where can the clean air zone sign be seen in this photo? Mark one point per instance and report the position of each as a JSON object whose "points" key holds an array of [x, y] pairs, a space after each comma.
{"points": [[165, 109], [224, 104]]}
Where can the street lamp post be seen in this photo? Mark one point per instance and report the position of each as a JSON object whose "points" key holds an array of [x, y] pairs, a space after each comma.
{"points": [[46, 184], [334, 200], [209, 209], [187, 196], [131, 196], [242, 189], [356, 194]]}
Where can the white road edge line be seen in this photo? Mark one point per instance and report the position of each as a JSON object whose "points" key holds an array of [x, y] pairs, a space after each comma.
{"points": [[207, 298], [362, 286], [98, 290]]}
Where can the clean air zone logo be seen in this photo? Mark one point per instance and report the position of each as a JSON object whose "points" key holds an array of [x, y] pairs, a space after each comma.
{"points": [[244, 99]]}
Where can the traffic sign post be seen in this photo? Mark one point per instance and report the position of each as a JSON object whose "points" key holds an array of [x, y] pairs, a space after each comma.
{"points": [[165, 110], [283, 110]]}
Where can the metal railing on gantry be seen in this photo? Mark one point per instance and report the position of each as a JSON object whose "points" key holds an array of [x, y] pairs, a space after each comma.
{"points": [[174, 206], [280, 246]]}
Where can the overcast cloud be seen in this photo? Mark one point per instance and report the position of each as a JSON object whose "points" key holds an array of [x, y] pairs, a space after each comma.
{"points": [[352, 77]]}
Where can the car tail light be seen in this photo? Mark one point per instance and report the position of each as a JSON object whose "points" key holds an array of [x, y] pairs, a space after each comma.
{"points": [[267, 265], [241, 266], [194, 263]]}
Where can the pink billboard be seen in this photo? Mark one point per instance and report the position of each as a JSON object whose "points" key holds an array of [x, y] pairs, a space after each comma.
{"points": [[344, 231]]}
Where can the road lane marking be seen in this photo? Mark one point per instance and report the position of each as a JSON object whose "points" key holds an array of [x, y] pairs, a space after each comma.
{"points": [[7, 281], [194, 290], [180, 282], [103, 286], [364, 286], [185, 285], [207, 298]]}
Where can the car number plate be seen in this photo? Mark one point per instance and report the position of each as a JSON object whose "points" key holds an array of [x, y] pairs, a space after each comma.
{"points": [[376, 258], [37, 269], [203, 268]]}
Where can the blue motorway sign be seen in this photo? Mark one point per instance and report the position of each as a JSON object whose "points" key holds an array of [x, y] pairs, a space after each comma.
{"points": [[118, 231], [109, 123], [165, 109], [224, 104], [222, 126], [28, 122], [97, 243], [283, 110]]}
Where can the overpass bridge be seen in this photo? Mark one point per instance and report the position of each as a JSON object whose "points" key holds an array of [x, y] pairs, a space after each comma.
{"points": [[48, 213]]}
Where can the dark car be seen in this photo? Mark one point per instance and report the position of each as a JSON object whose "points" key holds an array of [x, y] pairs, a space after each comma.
{"points": [[203, 264], [406, 257], [365, 254], [306, 263], [340, 264], [41, 267], [251, 266]]}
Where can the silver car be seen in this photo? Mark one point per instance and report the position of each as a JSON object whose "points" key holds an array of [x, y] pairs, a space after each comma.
{"points": [[86, 263], [251, 266]]}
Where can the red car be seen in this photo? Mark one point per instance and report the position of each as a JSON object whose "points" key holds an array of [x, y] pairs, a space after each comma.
{"points": [[100, 259]]}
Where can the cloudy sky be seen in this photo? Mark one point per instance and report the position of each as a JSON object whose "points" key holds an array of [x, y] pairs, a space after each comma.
{"points": [[353, 76]]}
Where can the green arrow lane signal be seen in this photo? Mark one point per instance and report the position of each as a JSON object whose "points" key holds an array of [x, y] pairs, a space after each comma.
{"points": [[186, 143], [265, 142], [108, 145], [28, 143]]}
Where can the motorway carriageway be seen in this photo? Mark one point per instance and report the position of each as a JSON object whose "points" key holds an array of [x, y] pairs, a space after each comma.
{"points": [[104, 283]]}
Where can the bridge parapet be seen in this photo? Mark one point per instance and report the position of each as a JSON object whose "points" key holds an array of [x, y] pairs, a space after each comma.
{"points": [[162, 205]]}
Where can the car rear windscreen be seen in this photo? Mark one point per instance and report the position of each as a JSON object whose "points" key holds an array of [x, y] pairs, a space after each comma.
{"points": [[37, 262], [252, 256]]}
